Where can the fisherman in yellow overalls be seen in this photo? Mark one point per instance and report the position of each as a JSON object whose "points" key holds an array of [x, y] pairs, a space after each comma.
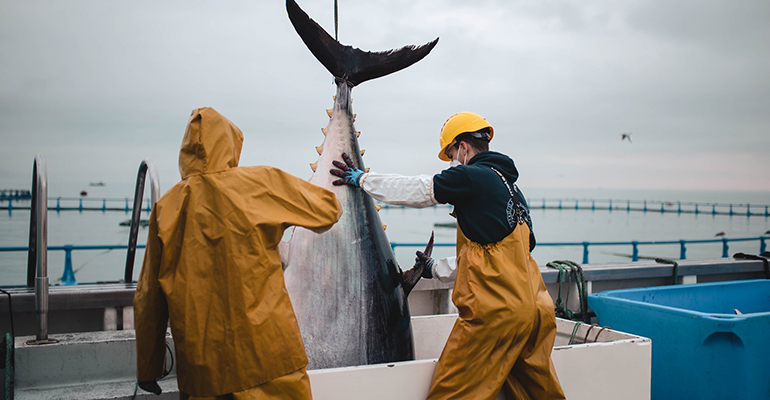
{"points": [[212, 268], [506, 327]]}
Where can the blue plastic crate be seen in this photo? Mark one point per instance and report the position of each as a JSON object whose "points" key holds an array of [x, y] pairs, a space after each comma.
{"points": [[701, 347]]}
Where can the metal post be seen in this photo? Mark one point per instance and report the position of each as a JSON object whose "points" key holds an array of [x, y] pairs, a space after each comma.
{"points": [[713, 209], [10, 206], [762, 245], [585, 252], [766, 214], [68, 277], [145, 166], [748, 210], [610, 204], [662, 209], [576, 204], [543, 203], [593, 205], [127, 204], [679, 207], [725, 248], [58, 204], [645, 206], [731, 209], [696, 208], [81, 205], [682, 250], [104, 205], [628, 206], [559, 204], [635, 252], [38, 247]]}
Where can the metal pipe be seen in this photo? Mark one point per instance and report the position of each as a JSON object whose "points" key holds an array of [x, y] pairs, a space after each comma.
{"points": [[38, 248], [145, 166]]}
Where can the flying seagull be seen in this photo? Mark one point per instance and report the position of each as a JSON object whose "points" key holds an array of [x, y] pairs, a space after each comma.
{"points": [[720, 234], [625, 135]]}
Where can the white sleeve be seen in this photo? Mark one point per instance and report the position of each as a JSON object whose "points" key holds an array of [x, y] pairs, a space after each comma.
{"points": [[445, 269], [400, 190]]}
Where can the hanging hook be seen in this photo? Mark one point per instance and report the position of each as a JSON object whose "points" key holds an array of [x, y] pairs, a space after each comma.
{"points": [[336, 23]]}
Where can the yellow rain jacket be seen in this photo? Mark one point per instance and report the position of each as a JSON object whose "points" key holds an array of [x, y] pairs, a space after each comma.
{"points": [[212, 266], [506, 325]]}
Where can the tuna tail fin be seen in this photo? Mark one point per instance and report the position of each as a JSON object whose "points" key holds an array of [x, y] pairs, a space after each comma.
{"points": [[410, 278], [346, 62]]}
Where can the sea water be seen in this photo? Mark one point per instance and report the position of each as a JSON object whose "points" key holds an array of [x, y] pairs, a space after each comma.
{"points": [[415, 226]]}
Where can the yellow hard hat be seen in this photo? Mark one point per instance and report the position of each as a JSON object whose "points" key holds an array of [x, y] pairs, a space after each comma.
{"points": [[458, 124]]}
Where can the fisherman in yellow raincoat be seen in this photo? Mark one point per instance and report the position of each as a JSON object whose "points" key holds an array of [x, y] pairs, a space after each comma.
{"points": [[506, 326], [212, 268]]}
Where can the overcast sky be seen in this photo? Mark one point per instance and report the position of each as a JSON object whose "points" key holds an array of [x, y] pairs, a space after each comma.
{"points": [[96, 86]]}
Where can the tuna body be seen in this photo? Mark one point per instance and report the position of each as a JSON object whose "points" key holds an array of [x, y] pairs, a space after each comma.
{"points": [[344, 284]]}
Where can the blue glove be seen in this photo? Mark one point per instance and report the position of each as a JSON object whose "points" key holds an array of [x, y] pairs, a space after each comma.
{"points": [[348, 172]]}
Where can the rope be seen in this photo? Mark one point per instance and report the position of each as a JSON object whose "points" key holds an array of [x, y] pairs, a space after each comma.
{"points": [[596, 338], [676, 268], [561, 308], [585, 339], [574, 332], [763, 257]]}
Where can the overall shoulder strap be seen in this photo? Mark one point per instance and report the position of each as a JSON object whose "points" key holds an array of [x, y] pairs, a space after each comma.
{"points": [[521, 212]]}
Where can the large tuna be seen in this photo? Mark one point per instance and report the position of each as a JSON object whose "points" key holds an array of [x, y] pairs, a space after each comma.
{"points": [[348, 293]]}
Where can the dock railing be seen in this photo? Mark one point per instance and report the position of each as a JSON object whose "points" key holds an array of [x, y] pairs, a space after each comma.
{"points": [[145, 167], [81, 204], [645, 206], [633, 243], [68, 276], [37, 260]]}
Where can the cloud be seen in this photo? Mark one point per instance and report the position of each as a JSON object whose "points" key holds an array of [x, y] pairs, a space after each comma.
{"points": [[98, 86]]}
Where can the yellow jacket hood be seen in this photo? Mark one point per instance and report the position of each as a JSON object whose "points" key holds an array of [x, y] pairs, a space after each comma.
{"points": [[212, 269], [211, 144]]}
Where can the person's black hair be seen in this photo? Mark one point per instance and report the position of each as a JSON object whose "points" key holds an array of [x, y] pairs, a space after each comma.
{"points": [[478, 140]]}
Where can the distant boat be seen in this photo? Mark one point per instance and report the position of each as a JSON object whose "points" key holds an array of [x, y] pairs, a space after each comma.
{"points": [[83, 193], [445, 224], [100, 183]]}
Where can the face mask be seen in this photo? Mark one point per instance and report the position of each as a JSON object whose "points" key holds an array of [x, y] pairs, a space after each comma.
{"points": [[456, 161]]}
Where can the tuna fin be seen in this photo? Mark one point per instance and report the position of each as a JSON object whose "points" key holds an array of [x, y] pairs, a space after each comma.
{"points": [[346, 62], [314, 165], [319, 149], [323, 130], [410, 278]]}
